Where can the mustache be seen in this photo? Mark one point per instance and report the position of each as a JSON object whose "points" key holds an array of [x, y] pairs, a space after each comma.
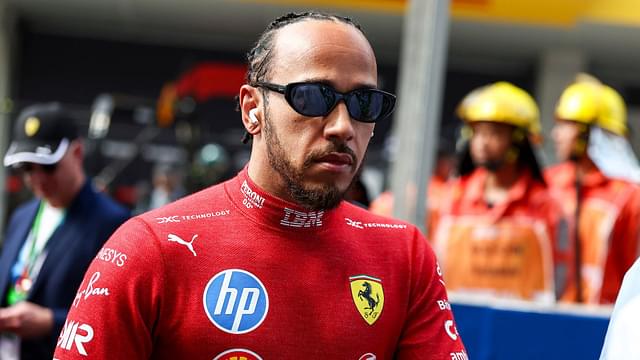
{"points": [[334, 147]]}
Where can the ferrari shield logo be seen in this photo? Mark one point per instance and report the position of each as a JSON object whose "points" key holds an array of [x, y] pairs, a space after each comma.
{"points": [[368, 296]]}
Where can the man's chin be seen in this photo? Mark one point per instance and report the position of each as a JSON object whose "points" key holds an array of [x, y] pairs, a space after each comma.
{"points": [[317, 197]]}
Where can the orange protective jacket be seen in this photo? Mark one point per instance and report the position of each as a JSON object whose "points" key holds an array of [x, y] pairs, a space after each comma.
{"points": [[501, 250], [608, 228], [437, 193]]}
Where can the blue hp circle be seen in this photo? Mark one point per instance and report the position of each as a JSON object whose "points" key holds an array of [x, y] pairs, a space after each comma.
{"points": [[236, 301]]}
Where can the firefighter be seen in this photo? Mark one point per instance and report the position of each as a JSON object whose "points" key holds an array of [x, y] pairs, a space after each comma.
{"points": [[604, 243], [495, 237]]}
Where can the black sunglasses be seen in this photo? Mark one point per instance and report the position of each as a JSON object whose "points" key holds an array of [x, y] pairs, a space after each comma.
{"points": [[27, 168], [317, 99]]}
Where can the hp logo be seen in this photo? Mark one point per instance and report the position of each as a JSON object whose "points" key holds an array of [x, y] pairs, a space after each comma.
{"points": [[235, 301]]}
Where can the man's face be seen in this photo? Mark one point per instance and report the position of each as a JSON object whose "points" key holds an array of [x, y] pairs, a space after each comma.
{"points": [[490, 142], [565, 135], [53, 184], [314, 159]]}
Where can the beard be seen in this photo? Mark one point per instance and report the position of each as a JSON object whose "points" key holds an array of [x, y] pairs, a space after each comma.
{"points": [[320, 197]]}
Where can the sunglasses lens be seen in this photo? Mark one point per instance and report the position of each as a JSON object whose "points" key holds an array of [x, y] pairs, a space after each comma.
{"points": [[366, 105], [22, 167], [28, 168], [51, 168], [312, 99]]}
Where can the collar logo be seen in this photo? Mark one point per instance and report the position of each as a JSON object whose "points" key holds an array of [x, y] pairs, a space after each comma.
{"points": [[368, 296], [31, 126], [238, 354], [251, 198], [299, 219]]}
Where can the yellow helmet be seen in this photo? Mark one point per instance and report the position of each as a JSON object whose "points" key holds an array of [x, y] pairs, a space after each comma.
{"points": [[591, 103], [501, 102], [579, 102], [613, 114]]}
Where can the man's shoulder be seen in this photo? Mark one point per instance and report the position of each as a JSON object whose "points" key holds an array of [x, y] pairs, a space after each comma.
{"points": [[23, 213], [207, 203], [108, 206]]}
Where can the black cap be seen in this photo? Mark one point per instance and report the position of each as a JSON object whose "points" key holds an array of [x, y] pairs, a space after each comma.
{"points": [[41, 135]]}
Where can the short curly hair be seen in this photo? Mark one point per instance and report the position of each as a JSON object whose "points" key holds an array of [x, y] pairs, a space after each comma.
{"points": [[260, 57]]}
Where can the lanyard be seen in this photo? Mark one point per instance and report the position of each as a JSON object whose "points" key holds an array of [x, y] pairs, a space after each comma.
{"points": [[21, 288], [33, 254]]}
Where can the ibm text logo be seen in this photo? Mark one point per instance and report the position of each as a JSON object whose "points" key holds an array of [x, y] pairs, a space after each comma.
{"points": [[299, 219]]}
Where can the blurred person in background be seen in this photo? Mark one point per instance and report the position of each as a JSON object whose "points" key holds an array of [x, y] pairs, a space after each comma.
{"points": [[167, 185], [51, 239], [604, 244], [273, 263], [437, 189], [495, 236]]}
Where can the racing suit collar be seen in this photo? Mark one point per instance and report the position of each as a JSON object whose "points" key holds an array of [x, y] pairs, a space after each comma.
{"points": [[272, 211]]}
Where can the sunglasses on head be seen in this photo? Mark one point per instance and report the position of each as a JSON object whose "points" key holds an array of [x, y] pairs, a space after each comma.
{"points": [[27, 168], [317, 99]]}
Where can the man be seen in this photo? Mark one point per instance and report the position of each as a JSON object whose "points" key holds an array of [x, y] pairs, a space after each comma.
{"points": [[50, 240], [272, 264], [604, 244], [495, 237]]}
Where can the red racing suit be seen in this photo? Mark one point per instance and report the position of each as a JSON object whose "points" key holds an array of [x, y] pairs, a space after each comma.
{"points": [[233, 272], [505, 249], [608, 230]]}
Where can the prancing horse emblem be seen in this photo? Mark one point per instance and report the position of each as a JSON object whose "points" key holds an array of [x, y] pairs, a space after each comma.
{"points": [[188, 244], [368, 297]]}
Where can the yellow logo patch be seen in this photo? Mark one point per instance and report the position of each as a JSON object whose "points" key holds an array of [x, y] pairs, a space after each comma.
{"points": [[368, 296], [31, 126]]}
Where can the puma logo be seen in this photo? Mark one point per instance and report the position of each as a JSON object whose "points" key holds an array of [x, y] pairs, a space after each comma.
{"points": [[188, 244]]}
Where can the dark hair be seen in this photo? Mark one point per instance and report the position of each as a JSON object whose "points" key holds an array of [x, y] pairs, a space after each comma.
{"points": [[260, 56]]}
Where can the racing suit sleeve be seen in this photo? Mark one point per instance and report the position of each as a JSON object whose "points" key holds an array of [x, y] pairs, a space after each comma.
{"points": [[430, 330], [115, 309]]}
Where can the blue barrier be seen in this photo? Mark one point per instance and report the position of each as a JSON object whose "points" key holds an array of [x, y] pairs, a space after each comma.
{"points": [[520, 332]]}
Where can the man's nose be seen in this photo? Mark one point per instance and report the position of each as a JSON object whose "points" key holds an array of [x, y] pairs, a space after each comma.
{"points": [[339, 123]]}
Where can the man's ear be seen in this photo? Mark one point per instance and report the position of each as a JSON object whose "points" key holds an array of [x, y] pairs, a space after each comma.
{"points": [[250, 99]]}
